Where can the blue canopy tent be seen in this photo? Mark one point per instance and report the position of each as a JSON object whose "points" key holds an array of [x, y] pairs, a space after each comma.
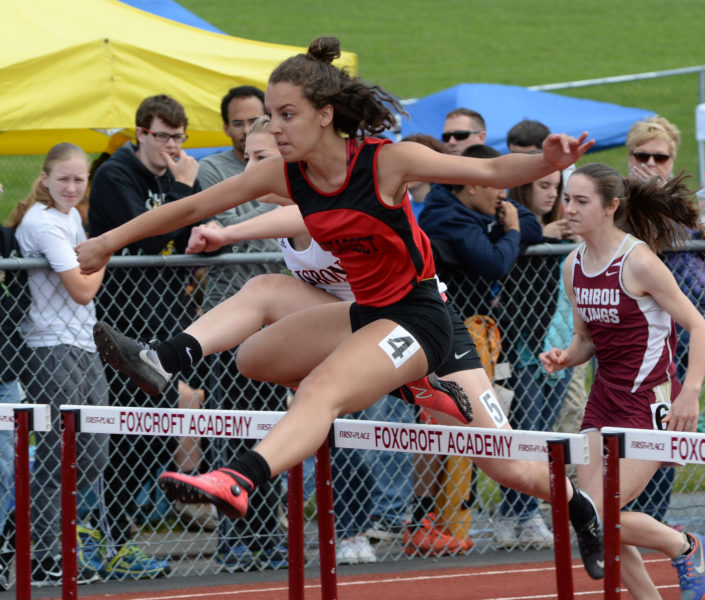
{"points": [[502, 106], [168, 9]]}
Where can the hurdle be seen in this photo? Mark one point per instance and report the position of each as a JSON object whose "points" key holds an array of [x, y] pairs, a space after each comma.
{"points": [[557, 449], [642, 444], [23, 418]]}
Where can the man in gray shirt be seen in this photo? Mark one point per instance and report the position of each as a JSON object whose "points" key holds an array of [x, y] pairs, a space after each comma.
{"points": [[240, 107], [255, 542]]}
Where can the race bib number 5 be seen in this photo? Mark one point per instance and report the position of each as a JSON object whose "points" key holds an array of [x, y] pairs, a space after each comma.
{"points": [[399, 345], [493, 407]]}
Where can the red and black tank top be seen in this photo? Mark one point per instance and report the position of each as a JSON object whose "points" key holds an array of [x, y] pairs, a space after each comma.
{"points": [[380, 247]]}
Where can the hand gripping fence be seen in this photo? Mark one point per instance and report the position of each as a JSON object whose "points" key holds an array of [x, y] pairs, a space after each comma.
{"points": [[557, 448], [676, 447], [23, 418]]}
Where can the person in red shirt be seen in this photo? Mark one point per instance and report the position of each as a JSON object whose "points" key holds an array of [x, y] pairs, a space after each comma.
{"points": [[353, 196]]}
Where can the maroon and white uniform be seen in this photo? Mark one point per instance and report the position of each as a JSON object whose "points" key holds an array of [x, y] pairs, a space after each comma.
{"points": [[634, 340]]}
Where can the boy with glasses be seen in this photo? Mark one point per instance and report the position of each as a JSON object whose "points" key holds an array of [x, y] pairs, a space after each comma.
{"points": [[135, 179]]}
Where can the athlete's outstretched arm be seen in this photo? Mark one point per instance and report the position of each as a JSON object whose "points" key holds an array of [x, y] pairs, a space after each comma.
{"points": [[281, 222], [581, 346], [408, 161], [263, 178]]}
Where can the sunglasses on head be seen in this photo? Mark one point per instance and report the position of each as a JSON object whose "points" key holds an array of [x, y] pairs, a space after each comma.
{"points": [[459, 135], [643, 157]]}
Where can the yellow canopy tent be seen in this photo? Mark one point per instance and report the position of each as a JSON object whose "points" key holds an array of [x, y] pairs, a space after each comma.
{"points": [[76, 71]]}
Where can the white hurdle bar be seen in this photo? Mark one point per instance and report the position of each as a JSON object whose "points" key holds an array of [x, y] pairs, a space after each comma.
{"points": [[556, 448], [640, 444]]}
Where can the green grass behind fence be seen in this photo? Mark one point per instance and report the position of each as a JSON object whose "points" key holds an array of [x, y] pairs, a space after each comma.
{"points": [[416, 47]]}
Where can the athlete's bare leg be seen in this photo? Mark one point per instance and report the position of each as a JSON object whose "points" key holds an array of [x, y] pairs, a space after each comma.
{"points": [[529, 477], [637, 529], [334, 387], [261, 301], [635, 576]]}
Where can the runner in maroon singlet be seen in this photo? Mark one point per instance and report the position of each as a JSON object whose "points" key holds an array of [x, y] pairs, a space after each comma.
{"points": [[625, 300]]}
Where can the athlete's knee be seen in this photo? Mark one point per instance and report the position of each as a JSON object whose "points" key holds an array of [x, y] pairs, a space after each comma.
{"points": [[252, 364], [323, 389], [516, 476]]}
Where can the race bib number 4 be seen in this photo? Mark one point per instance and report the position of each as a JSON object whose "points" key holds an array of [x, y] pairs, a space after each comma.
{"points": [[399, 345]]}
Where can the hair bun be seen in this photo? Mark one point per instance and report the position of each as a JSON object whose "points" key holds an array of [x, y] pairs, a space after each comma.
{"points": [[325, 49]]}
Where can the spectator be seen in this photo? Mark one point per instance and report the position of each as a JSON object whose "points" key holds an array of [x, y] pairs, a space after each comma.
{"points": [[246, 543], [134, 180], [14, 301], [63, 365], [532, 291], [653, 145], [477, 230], [463, 128], [527, 135], [478, 235]]}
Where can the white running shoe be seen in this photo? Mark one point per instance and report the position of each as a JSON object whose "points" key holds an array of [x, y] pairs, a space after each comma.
{"points": [[354, 550], [505, 535], [535, 533]]}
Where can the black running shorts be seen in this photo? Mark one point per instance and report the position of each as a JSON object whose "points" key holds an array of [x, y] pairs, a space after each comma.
{"points": [[463, 354], [422, 313]]}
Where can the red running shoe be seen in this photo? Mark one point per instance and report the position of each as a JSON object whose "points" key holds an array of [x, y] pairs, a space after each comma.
{"points": [[428, 540], [439, 394], [227, 489]]}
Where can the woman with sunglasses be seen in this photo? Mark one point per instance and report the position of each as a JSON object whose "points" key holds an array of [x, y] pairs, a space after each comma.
{"points": [[653, 145]]}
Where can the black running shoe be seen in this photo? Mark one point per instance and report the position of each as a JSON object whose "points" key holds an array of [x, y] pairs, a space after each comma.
{"points": [[591, 543], [137, 360]]}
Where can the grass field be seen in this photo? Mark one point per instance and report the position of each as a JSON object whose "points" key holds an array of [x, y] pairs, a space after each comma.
{"points": [[415, 48]]}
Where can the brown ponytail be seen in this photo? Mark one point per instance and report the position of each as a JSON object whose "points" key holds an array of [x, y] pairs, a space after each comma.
{"points": [[658, 213], [358, 107]]}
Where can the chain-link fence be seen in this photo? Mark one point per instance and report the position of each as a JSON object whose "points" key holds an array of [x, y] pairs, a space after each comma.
{"points": [[376, 492]]}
